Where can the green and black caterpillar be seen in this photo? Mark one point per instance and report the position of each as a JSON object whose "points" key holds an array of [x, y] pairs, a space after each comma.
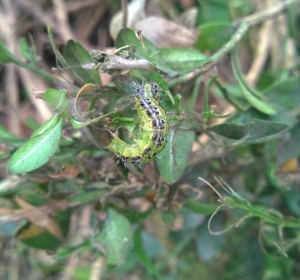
{"points": [[152, 129]]}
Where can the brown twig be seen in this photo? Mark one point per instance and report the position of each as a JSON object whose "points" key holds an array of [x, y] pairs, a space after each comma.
{"points": [[43, 17], [7, 28], [74, 6], [61, 15], [261, 52], [88, 19], [124, 12]]}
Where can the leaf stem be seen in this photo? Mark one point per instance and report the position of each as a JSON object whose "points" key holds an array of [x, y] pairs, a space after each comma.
{"points": [[242, 26], [48, 77]]}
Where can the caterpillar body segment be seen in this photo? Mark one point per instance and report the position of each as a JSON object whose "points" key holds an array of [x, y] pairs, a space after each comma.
{"points": [[150, 138], [150, 115]]}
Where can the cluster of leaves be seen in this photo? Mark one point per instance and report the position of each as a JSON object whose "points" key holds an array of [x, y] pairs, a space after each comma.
{"points": [[68, 173]]}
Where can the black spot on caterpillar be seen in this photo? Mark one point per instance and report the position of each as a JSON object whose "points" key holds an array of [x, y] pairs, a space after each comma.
{"points": [[153, 128]]}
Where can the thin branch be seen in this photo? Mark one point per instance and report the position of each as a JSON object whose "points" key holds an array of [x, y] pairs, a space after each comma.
{"points": [[242, 26], [61, 14], [124, 12], [40, 15], [8, 23], [261, 53], [268, 13]]}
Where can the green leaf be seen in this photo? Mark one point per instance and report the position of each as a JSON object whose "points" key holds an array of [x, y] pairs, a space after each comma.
{"points": [[183, 60], [257, 131], [151, 244], [127, 37], [31, 123], [57, 99], [143, 258], [284, 96], [5, 55], [292, 198], [250, 94], [27, 50], [39, 149], [12, 186], [8, 138], [57, 53], [289, 147], [201, 207], [75, 56], [84, 196], [213, 10], [115, 236], [60, 58], [170, 170], [252, 114], [232, 94], [214, 35], [208, 245]]}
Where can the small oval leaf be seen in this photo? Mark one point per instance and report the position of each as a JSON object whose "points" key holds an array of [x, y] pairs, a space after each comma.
{"points": [[214, 35], [170, 169], [257, 131], [58, 100], [183, 60], [115, 236], [76, 55], [39, 148]]}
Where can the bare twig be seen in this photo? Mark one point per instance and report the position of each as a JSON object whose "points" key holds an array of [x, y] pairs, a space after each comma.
{"points": [[40, 15], [87, 20], [98, 267], [73, 6], [70, 267], [261, 53], [7, 28], [61, 15], [124, 12], [268, 13], [32, 82]]}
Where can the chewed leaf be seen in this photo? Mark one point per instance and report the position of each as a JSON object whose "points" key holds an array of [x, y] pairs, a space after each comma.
{"points": [[39, 149], [255, 131]]}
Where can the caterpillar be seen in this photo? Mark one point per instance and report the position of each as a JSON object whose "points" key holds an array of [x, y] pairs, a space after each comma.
{"points": [[152, 129]]}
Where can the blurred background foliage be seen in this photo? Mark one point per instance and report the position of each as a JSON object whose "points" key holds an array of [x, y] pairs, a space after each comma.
{"points": [[228, 210]]}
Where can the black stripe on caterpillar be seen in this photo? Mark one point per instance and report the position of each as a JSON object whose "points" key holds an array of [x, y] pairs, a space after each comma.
{"points": [[152, 129]]}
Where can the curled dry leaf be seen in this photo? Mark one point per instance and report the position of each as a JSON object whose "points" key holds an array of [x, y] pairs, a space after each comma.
{"points": [[40, 218], [189, 17], [70, 172], [164, 33]]}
